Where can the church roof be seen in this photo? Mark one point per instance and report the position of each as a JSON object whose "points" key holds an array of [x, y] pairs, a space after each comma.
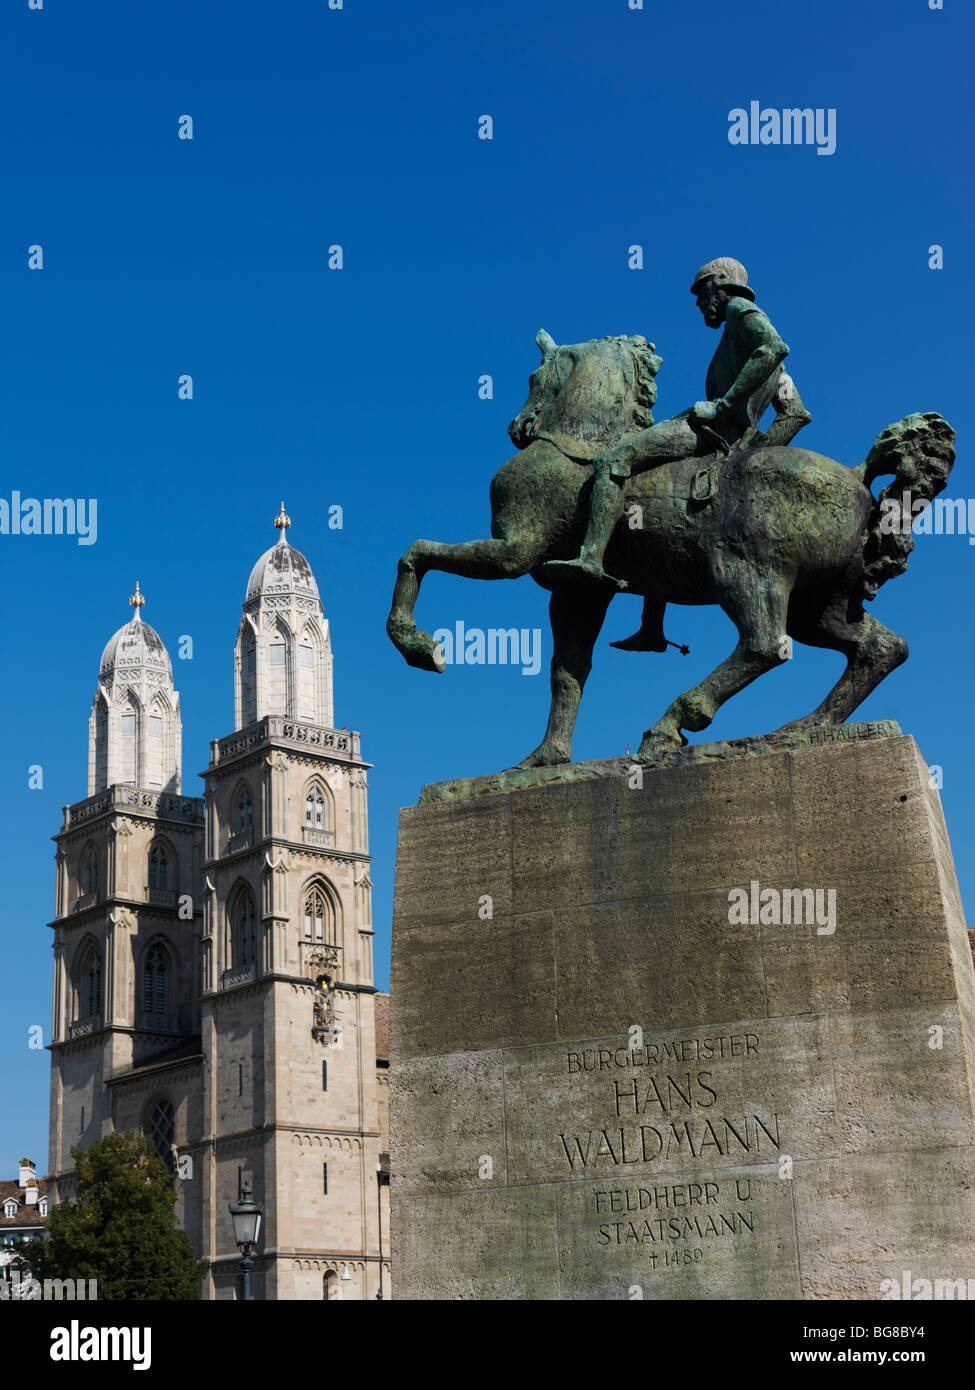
{"points": [[282, 569], [135, 645]]}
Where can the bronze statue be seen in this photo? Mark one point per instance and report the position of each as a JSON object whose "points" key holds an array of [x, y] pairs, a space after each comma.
{"points": [[745, 377], [707, 510]]}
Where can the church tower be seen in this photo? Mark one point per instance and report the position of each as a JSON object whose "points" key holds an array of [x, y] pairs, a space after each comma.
{"points": [[288, 1009], [135, 735], [283, 656], [129, 858]]}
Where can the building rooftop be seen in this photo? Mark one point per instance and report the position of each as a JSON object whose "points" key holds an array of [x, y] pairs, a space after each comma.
{"points": [[27, 1215]]}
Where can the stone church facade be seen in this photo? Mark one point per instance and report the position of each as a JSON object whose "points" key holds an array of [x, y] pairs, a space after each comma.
{"points": [[213, 973]]}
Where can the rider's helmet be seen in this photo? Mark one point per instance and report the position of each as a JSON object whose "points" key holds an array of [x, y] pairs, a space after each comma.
{"points": [[729, 274]]}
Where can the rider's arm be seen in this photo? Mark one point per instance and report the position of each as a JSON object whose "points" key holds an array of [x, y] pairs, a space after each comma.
{"points": [[767, 352]]}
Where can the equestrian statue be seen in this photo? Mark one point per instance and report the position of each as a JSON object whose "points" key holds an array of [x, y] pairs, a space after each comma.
{"points": [[703, 508]]}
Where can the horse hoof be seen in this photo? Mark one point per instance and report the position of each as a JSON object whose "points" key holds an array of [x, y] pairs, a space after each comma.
{"points": [[424, 653], [656, 740], [542, 757]]}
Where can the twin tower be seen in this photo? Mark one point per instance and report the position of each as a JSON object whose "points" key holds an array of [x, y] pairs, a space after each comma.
{"points": [[213, 975]]}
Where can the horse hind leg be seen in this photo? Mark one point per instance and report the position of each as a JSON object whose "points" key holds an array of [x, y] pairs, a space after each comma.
{"points": [[758, 608], [485, 559], [872, 651]]}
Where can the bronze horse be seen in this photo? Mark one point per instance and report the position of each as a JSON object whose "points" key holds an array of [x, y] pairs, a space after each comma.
{"points": [[788, 542]]}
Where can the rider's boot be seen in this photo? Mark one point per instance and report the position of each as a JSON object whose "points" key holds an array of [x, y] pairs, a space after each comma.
{"points": [[650, 637], [605, 510]]}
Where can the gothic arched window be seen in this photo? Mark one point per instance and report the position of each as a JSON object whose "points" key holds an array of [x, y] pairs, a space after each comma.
{"points": [[245, 810], [243, 930], [158, 866], [154, 980], [161, 1129], [315, 807], [316, 913], [90, 878], [90, 985]]}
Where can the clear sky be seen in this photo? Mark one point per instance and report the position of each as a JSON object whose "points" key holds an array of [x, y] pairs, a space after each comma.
{"points": [[358, 127]]}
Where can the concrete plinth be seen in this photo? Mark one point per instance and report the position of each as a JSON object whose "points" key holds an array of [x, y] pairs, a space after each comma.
{"points": [[698, 1031]]}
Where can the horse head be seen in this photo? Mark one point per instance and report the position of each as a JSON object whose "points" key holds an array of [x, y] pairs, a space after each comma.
{"points": [[588, 395]]}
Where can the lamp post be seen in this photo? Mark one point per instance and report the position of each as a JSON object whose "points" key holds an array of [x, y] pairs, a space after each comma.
{"points": [[246, 1216]]}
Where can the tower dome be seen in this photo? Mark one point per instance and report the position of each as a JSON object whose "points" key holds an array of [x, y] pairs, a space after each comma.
{"points": [[135, 731], [283, 657], [281, 570], [135, 648]]}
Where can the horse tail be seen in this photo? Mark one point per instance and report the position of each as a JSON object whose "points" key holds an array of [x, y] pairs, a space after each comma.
{"points": [[919, 450]]}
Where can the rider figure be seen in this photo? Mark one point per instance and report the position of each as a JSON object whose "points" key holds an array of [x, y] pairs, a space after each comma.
{"points": [[744, 378]]}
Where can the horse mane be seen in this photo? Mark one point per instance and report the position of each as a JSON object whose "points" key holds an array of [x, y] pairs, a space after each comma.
{"points": [[637, 364], [644, 365]]}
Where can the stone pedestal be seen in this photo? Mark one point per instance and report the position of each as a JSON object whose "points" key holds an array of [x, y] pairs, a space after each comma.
{"points": [[618, 1071]]}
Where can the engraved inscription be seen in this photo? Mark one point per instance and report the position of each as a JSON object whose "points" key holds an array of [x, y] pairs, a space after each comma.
{"points": [[670, 1110], [661, 1216]]}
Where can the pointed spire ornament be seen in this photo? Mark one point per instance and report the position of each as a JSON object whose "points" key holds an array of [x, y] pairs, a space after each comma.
{"points": [[137, 600], [282, 521]]}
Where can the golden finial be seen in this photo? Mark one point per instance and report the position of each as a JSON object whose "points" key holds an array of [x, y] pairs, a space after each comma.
{"points": [[282, 521], [137, 600]]}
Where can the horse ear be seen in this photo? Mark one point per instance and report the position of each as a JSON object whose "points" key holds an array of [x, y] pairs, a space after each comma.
{"points": [[546, 343]]}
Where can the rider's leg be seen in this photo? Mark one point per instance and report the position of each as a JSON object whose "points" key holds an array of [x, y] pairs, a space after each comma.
{"points": [[671, 439], [790, 414], [605, 510], [661, 443]]}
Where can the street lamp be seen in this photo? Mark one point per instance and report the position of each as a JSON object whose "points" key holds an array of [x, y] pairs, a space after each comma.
{"points": [[246, 1216]]}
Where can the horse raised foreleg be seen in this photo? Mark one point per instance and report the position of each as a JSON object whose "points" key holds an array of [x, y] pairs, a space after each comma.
{"points": [[487, 559], [758, 608], [576, 619]]}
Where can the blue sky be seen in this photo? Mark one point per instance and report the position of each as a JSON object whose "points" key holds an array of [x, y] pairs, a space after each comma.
{"points": [[358, 387]]}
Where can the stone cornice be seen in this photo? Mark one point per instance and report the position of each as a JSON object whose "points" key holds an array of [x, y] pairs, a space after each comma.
{"points": [[140, 1072], [83, 916], [139, 802], [291, 735], [98, 1033], [272, 843], [258, 1131], [276, 977]]}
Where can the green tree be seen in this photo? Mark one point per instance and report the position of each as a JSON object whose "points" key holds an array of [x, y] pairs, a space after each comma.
{"points": [[121, 1228]]}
